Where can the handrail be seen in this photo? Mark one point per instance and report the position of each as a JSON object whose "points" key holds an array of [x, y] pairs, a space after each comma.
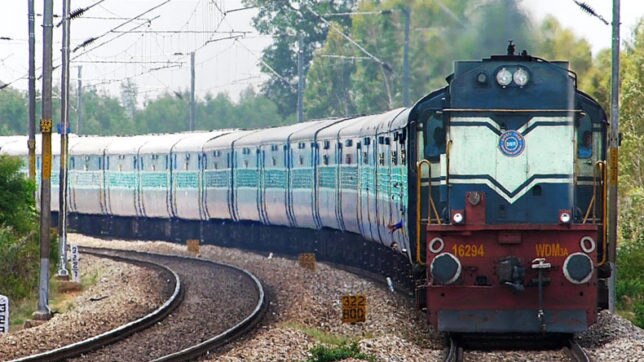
{"points": [[599, 168], [591, 204], [419, 166], [602, 166]]}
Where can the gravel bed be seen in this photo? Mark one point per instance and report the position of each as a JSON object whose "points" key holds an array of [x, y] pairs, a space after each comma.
{"points": [[303, 301], [215, 299], [122, 293]]}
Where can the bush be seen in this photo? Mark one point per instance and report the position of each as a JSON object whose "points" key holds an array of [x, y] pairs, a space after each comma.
{"points": [[630, 279], [19, 240], [322, 353]]}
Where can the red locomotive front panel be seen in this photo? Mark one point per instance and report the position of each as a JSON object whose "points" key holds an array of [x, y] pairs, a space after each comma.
{"points": [[512, 279]]}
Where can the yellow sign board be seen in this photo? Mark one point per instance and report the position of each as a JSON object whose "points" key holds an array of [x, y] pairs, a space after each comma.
{"points": [[193, 246], [307, 261], [354, 308]]}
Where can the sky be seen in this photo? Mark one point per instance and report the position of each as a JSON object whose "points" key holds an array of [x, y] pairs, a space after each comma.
{"points": [[158, 61]]}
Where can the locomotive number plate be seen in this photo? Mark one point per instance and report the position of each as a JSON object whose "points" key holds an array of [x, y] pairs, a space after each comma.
{"points": [[307, 261], [354, 308], [468, 250]]}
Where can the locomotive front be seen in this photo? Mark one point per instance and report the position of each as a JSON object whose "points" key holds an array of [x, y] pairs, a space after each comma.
{"points": [[510, 169]]}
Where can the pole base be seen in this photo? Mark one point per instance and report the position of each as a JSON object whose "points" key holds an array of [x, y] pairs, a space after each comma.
{"points": [[42, 315], [62, 276]]}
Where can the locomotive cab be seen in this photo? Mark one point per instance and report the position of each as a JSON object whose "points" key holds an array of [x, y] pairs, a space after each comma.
{"points": [[510, 197]]}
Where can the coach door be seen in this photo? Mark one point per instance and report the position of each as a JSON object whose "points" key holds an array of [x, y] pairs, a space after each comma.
{"points": [[367, 188]]}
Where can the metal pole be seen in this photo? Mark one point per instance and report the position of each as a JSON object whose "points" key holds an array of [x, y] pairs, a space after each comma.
{"points": [[192, 91], [64, 140], [79, 107], [31, 143], [43, 311], [407, 14], [613, 158], [300, 78]]}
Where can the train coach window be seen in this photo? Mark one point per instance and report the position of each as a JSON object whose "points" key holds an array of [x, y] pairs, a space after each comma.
{"points": [[436, 142], [585, 145], [327, 145], [348, 159], [348, 143], [325, 159]]}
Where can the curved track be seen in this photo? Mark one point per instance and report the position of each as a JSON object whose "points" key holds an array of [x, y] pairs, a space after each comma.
{"points": [[220, 302], [123, 331]]}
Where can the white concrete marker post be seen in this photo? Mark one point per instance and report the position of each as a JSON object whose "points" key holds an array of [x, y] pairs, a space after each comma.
{"points": [[75, 263], [4, 314]]}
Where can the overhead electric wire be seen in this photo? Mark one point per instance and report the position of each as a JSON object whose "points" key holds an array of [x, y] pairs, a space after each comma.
{"points": [[109, 40], [267, 65], [91, 40], [331, 26]]}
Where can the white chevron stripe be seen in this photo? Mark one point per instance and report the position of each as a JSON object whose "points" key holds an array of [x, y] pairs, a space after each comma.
{"points": [[548, 151]]}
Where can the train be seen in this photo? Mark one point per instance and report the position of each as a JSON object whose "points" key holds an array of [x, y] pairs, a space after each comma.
{"points": [[486, 198]]}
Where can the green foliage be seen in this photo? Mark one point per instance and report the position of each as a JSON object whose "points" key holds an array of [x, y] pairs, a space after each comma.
{"points": [[19, 241], [19, 248], [285, 21], [16, 197], [630, 280], [13, 112], [322, 353], [357, 83]]}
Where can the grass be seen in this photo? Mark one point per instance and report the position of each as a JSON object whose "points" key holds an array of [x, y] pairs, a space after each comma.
{"points": [[330, 347], [59, 302]]}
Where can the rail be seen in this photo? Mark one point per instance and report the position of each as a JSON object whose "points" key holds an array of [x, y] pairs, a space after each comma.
{"points": [[120, 333], [455, 351], [575, 352]]}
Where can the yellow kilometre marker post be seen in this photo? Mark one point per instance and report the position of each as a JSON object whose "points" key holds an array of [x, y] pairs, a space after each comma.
{"points": [[354, 308]]}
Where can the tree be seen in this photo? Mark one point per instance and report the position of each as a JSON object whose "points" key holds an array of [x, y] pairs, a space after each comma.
{"points": [[285, 21], [102, 114], [167, 113], [557, 43], [13, 112], [328, 91], [474, 31]]}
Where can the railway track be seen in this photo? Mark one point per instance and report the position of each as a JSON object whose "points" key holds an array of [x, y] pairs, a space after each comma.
{"points": [[575, 352], [536, 349], [205, 314]]}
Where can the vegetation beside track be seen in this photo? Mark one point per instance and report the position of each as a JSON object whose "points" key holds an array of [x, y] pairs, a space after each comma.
{"points": [[19, 241]]}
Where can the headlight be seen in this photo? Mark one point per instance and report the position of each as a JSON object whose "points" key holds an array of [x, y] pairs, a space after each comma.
{"points": [[578, 268], [445, 269], [521, 77], [564, 217], [457, 218], [504, 77]]}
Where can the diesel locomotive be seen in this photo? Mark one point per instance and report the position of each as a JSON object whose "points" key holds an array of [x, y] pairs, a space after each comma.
{"points": [[486, 198]]}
